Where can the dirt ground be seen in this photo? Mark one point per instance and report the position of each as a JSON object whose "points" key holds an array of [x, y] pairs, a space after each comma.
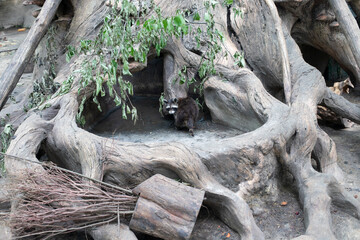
{"points": [[276, 221], [10, 40]]}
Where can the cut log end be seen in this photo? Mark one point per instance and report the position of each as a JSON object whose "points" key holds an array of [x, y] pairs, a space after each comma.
{"points": [[166, 208]]}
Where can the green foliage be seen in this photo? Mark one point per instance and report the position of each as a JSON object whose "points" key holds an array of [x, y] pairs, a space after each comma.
{"points": [[161, 101], [228, 2], [80, 119], [239, 59], [5, 138], [44, 88], [65, 86], [128, 35], [238, 12]]}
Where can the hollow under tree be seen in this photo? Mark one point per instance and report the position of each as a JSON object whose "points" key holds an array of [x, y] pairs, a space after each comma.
{"points": [[274, 98]]}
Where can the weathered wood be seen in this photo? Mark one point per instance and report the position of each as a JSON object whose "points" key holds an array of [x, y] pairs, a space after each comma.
{"points": [[348, 25], [283, 50], [16, 67], [325, 114], [166, 208]]}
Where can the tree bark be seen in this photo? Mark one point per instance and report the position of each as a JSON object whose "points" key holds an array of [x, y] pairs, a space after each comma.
{"points": [[348, 25], [166, 208]]}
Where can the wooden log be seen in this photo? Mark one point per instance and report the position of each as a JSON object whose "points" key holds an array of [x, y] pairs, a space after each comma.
{"points": [[166, 208], [16, 67]]}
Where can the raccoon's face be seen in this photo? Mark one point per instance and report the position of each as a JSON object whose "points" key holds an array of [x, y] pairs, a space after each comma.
{"points": [[171, 105]]}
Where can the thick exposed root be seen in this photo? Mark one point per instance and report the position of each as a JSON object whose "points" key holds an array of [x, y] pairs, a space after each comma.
{"points": [[120, 162], [325, 154], [342, 107]]}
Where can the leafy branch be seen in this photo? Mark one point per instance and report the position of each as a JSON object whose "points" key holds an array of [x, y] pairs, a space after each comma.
{"points": [[5, 138], [127, 35]]}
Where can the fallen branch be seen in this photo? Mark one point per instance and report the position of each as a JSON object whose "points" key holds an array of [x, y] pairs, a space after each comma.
{"points": [[16, 67], [8, 50]]}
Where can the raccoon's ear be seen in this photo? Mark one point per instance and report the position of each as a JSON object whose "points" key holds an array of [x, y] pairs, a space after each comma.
{"points": [[165, 101], [175, 100]]}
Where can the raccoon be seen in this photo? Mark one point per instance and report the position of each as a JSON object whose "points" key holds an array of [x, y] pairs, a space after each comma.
{"points": [[340, 87], [185, 112]]}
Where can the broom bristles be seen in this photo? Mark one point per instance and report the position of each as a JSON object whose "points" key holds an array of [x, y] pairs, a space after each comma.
{"points": [[56, 202]]}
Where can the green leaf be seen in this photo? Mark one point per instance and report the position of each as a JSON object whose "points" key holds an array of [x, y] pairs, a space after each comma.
{"points": [[185, 29], [169, 26], [124, 116], [131, 89], [242, 61], [238, 12], [110, 88], [196, 16], [96, 101], [98, 85], [134, 114], [70, 53], [117, 100], [165, 24], [229, 2], [182, 80], [179, 21], [8, 129], [125, 69], [207, 17], [213, 3], [221, 35]]}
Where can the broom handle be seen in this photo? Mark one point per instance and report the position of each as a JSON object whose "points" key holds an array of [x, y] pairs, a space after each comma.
{"points": [[68, 171]]}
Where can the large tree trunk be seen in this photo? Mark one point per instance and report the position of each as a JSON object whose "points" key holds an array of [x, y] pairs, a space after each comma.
{"points": [[274, 100]]}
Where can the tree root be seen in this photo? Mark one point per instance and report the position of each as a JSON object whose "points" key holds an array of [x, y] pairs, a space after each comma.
{"points": [[325, 154], [342, 107], [122, 161]]}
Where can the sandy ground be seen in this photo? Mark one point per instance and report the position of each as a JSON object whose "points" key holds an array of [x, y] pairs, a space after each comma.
{"points": [[10, 40]]}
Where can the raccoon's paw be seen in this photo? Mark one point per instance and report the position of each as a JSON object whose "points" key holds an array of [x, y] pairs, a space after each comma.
{"points": [[191, 131]]}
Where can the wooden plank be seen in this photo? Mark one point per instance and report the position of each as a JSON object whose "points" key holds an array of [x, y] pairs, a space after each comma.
{"points": [[166, 208], [16, 67]]}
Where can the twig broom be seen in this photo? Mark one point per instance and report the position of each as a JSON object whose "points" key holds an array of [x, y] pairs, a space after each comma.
{"points": [[57, 201]]}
